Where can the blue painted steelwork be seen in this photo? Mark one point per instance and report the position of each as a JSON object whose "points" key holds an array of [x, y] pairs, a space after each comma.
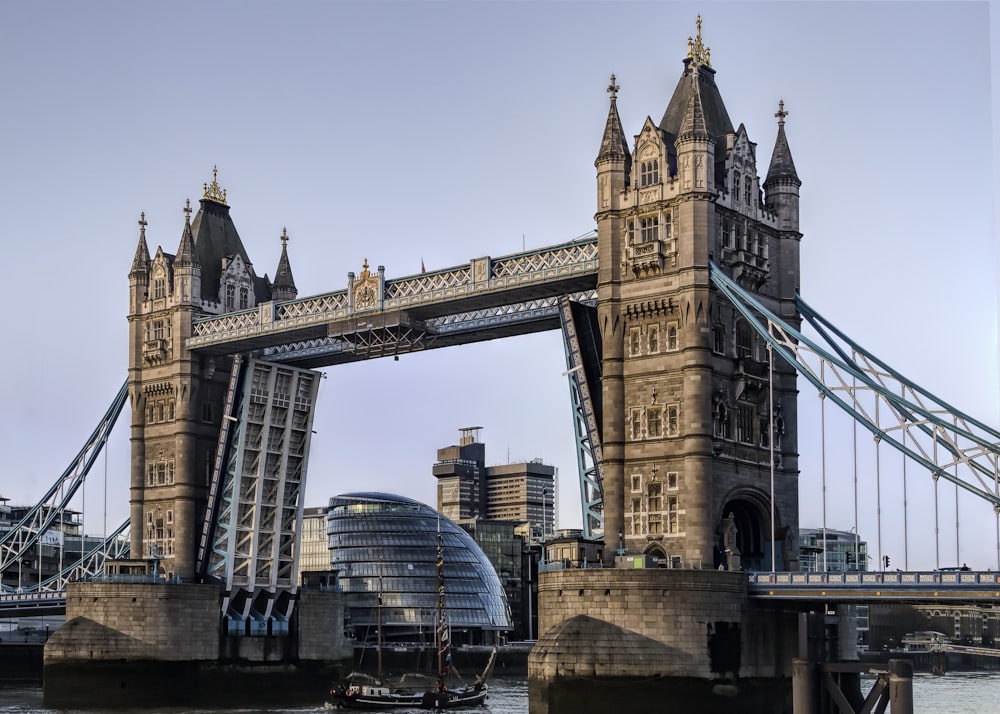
{"points": [[19, 540], [936, 435], [869, 587]]}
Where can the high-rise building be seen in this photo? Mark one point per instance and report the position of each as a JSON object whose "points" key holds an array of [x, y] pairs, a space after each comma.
{"points": [[523, 492]]}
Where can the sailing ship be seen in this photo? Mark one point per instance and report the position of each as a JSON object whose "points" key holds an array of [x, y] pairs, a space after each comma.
{"points": [[360, 691]]}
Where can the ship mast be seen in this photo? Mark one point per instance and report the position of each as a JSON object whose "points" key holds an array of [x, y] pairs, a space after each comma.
{"points": [[443, 644]]}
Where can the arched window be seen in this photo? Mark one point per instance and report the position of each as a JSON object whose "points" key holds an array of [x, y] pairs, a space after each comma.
{"points": [[649, 228], [653, 339], [244, 298], [744, 340], [649, 172], [672, 337], [230, 296], [634, 343], [719, 339]]}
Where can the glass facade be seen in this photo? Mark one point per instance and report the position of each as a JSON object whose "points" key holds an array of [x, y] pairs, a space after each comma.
{"points": [[381, 543]]}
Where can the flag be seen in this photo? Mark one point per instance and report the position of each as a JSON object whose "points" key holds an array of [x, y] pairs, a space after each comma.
{"points": [[422, 268]]}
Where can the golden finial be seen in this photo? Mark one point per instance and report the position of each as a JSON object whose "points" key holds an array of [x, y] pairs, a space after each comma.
{"points": [[781, 113], [697, 50], [364, 270], [213, 192]]}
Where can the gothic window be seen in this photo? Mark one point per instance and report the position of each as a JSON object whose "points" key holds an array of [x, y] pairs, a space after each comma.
{"points": [[668, 227], [727, 229], [741, 237], [635, 424], [672, 480], [634, 342], [654, 422], [672, 516], [719, 339], [654, 497], [230, 296], [721, 426], [159, 287], [649, 228], [673, 419], [158, 330], [747, 190], [649, 173], [244, 298], [736, 185], [653, 339], [672, 337], [631, 232], [744, 423], [655, 523], [636, 516], [744, 341]]}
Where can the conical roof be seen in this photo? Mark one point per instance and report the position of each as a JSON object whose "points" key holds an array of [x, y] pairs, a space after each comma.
{"points": [[614, 145], [782, 167]]}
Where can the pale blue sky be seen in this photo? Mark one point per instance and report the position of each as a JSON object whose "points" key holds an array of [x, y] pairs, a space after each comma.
{"points": [[401, 132]]}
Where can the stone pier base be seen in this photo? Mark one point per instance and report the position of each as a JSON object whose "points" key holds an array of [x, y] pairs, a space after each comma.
{"points": [[162, 645], [659, 640]]}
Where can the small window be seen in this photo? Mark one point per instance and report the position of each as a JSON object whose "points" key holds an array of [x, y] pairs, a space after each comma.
{"points": [[721, 421], [744, 340], [673, 526], [736, 185], [635, 424], [765, 430], [636, 483], [673, 420], [635, 342], [230, 296], [654, 422], [719, 339], [672, 337], [744, 423], [653, 339], [672, 478], [747, 190]]}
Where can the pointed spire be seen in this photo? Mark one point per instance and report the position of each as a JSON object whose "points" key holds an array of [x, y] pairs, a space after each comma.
{"points": [[614, 145], [140, 264], [283, 287], [693, 126], [782, 167], [185, 253]]}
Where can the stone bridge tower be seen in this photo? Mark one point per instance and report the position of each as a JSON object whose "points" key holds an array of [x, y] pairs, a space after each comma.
{"points": [[176, 394], [691, 413]]}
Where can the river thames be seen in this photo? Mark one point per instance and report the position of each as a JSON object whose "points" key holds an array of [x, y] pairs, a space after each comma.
{"points": [[955, 693]]}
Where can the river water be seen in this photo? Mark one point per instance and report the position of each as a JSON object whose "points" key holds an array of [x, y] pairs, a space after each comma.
{"points": [[954, 693]]}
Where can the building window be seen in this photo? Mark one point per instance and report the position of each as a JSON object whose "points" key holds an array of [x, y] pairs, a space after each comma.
{"points": [[655, 523], [726, 230], [736, 185], [649, 229], [649, 172], [719, 339], [744, 340], [230, 296], [654, 496], [159, 287], [634, 342], [654, 422], [747, 190], [744, 423], [668, 227], [672, 517], [635, 424], [631, 232], [765, 431], [672, 337], [672, 478], [636, 483], [673, 420], [653, 339], [244, 298]]}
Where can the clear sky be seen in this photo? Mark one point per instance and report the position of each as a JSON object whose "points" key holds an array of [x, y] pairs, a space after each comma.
{"points": [[443, 131]]}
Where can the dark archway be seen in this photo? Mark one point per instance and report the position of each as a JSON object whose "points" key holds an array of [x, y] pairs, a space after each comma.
{"points": [[657, 551], [752, 528]]}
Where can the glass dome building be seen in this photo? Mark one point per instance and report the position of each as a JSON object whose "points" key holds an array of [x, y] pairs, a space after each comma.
{"points": [[386, 544]]}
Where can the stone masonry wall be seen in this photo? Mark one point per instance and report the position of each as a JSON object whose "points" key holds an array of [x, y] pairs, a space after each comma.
{"points": [[321, 626], [133, 621]]}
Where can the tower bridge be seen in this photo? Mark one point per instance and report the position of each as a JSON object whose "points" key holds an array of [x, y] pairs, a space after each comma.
{"points": [[681, 321]]}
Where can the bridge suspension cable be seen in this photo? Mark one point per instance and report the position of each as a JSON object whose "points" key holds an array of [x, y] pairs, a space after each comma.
{"points": [[949, 443], [19, 540]]}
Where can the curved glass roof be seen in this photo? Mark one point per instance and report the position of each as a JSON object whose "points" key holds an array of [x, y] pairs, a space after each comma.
{"points": [[382, 542]]}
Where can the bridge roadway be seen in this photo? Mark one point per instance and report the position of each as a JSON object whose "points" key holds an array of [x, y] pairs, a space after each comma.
{"points": [[480, 300], [938, 586]]}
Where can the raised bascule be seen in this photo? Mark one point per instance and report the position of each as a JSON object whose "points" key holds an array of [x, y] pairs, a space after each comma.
{"points": [[681, 321]]}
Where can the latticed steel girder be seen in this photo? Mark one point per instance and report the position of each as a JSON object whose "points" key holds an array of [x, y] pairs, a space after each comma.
{"points": [[947, 442], [18, 541], [412, 309]]}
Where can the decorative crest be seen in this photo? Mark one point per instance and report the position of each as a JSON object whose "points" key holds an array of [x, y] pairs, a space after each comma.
{"points": [[781, 113], [213, 192], [364, 270], [697, 50], [613, 88]]}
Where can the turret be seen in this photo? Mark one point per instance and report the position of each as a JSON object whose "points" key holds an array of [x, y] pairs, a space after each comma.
{"points": [[283, 288], [695, 146], [138, 277], [614, 161], [187, 267], [782, 182]]}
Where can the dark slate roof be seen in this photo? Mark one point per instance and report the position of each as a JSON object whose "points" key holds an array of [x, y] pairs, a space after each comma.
{"points": [[140, 263], [782, 167], [216, 238], [283, 280], [716, 117], [614, 145]]}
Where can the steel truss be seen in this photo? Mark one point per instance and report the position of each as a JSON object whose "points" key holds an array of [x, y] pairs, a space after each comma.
{"points": [[17, 542], [948, 443], [589, 453], [257, 499]]}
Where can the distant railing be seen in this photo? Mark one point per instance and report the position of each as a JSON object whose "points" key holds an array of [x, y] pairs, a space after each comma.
{"points": [[922, 579]]}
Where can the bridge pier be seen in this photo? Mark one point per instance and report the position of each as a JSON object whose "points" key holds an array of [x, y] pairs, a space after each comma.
{"points": [[160, 644]]}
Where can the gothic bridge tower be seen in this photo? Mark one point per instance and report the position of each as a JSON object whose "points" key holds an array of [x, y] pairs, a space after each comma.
{"points": [[177, 395], [691, 411]]}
